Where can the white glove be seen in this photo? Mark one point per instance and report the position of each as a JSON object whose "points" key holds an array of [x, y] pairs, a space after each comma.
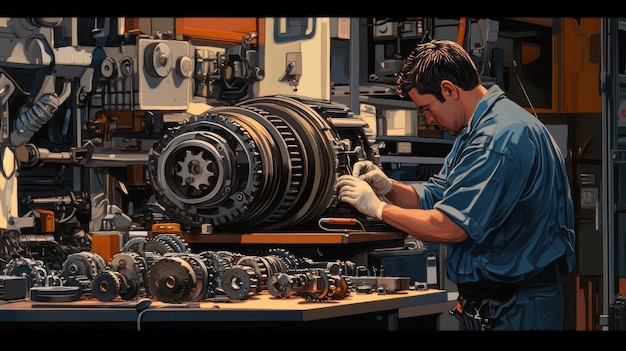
{"points": [[374, 176], [359, 194]]}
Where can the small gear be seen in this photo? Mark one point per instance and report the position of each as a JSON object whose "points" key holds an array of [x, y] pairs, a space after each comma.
{"points": [[216, 268], [321, 290], [259, 265], [239, 282], [194, 170], [131, 264], [229, 258], [160, 246], [288, 260], [213, 260], [136, 244], [98, 260], [274, 265], [177, 243], [132, 290], [340, 287], [211, 279], [107, 285], [280, 285]]}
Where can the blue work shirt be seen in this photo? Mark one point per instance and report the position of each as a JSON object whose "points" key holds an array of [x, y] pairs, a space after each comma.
{"points": [[505, 183]]}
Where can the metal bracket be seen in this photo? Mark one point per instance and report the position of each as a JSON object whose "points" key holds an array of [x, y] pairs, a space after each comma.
{"points": [[293, 69]]}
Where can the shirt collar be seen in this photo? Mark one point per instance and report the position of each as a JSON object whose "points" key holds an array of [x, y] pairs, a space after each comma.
{"points": [[484, 105]]}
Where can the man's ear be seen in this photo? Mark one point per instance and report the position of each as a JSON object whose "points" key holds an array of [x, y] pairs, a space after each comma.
{"points": [[447, 88]]}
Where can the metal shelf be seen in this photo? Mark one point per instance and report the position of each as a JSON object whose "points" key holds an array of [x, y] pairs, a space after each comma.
{"points": [[391, 102], [415, 139]]}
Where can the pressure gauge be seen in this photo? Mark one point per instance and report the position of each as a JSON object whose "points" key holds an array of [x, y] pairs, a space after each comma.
{"points": [[108, 68], [126, 67], [185, 66]]}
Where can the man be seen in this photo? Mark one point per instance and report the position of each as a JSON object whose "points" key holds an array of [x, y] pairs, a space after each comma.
{"points": [[501, 201]]}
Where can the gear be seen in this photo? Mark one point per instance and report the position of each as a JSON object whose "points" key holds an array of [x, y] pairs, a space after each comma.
{"points": [[132, 291], [171, 280], [107, 285], [274, 265], [288, 260], [229, 258], [213, 260], [259, 265], [177, 243], [201, 272], [280, 285], [194, 170], [136, 244], [321, 287], [217, 267], [245, 167], [211, 278], [340, 287], [130, 264], [96, 259], [222, 177], [160, 246], [239, 282], [34, 270], [80, 264]]}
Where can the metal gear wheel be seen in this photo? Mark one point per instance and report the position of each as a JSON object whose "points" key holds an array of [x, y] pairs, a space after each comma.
{"points": [[107, 285], [239, 282], [171, 280], [34, 270]]}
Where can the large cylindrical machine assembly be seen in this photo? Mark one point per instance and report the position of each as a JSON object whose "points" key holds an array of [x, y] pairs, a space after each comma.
{"points": [[267, 163]]}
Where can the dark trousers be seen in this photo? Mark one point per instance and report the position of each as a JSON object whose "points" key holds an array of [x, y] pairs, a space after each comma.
{"points": [[530, 307]]}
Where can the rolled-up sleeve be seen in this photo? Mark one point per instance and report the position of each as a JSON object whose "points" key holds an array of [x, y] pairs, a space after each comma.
{"points": [[484, 188]]}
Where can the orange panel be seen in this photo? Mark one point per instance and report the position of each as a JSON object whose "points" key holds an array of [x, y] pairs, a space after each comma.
{"points": [[587, 304], [164, 228], [106, 244], [47, 220], [221, 29], [580, 66]]}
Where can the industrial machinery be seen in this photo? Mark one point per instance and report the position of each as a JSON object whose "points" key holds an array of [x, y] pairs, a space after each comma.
{"points": [[117, 134]]}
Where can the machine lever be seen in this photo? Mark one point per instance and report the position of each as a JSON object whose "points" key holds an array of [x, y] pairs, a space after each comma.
{"points": [[285, 76]]}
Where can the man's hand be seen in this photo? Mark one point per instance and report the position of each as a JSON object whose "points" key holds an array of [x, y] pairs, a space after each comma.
{"points": [[374, 176], [359, 194]]}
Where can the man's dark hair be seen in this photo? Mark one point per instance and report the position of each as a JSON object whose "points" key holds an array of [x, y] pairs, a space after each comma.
{"points": [[432, 62]]}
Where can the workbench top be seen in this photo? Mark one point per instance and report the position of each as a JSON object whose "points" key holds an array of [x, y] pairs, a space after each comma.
{"points": [[262, 307]]}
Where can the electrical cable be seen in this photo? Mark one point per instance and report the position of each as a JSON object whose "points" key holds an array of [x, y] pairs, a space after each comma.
{"points": [[6, 148], [523, 89], [145, 307]]}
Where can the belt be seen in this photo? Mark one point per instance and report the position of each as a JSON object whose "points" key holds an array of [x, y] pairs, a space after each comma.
{"points": [[487, 289]]}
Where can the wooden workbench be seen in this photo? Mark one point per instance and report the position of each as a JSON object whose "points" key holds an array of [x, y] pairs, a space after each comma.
{"points": [[262, 311]]}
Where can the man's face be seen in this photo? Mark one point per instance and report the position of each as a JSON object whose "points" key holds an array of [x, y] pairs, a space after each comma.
{"points": [[447, 115]]}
